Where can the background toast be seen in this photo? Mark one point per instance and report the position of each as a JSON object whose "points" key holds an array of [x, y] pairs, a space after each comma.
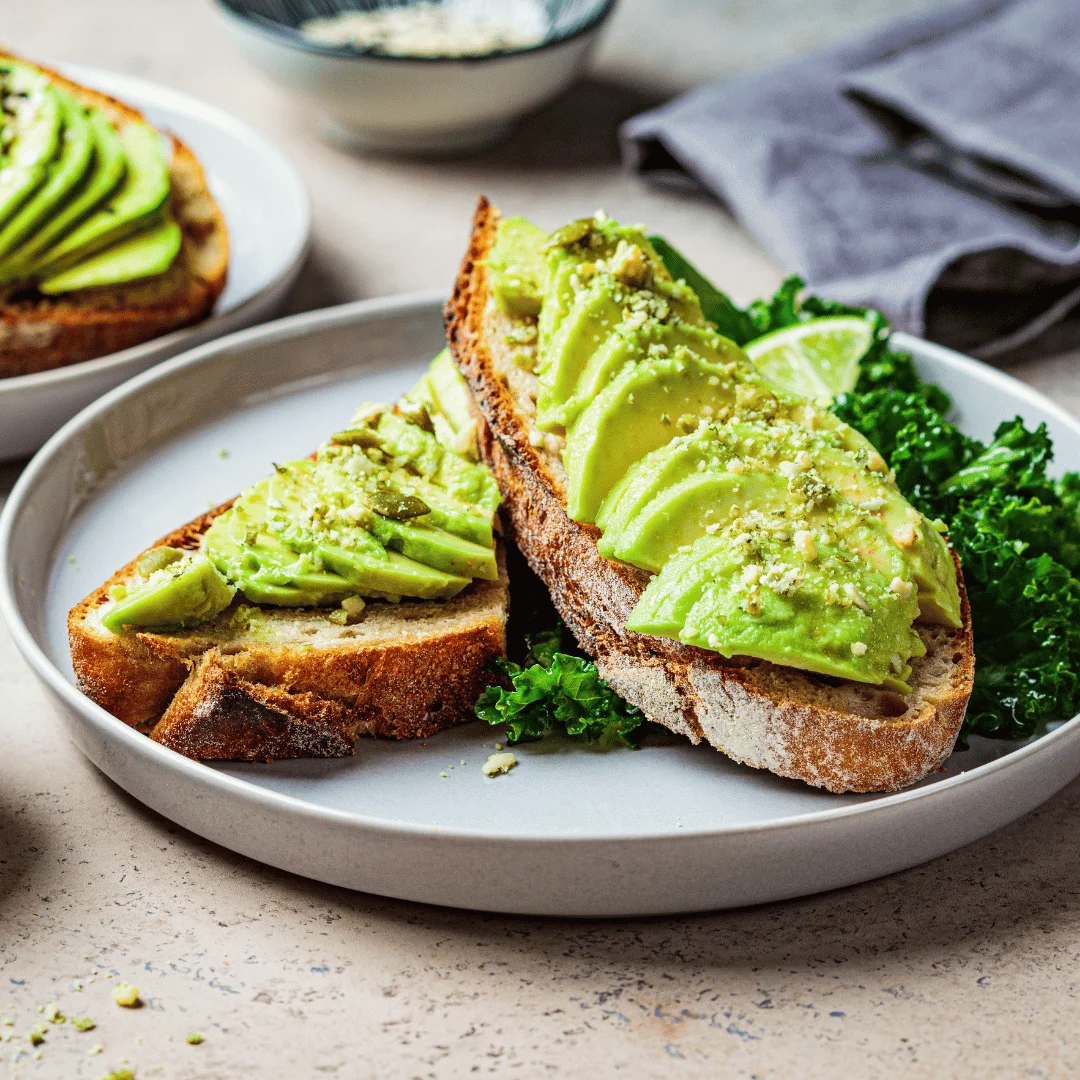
{"points": [[40, 333]]}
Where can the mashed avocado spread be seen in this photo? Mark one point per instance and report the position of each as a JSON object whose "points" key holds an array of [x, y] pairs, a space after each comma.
{"points": [[773, 530], [383, 510]]}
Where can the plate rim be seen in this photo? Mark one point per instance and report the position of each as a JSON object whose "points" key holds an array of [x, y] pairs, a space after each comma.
{"points": [[146, 91], [223, 784]]}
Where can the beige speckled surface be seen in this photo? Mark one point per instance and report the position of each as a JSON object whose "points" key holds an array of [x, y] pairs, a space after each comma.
{"points": [[965, 966]]}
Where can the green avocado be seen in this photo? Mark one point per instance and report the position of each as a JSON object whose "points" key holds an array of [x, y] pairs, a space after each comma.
{"points": [[143, 255], [293, 531], [419, 453], [137, 202], [107, 169], [518, 266], [682, 512], [643, 408], [834, 615], [66, 171], [573, 253], [628, 290], [436, 547], [445, 395], [773, 529], [176, 589], [31, 117], [630, 344], [372, 514], [671, 496]]}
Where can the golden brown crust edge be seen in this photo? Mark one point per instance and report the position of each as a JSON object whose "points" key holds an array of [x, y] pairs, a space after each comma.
{"points": [[43, 334], [835, 735], [260, 701]]}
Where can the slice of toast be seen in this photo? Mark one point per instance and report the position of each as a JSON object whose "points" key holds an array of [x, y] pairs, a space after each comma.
{"points": [[40, 333], [258, 683], [831, 733]]}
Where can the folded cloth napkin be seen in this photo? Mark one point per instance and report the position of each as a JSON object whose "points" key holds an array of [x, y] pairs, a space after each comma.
{"points": [[930, 169]]}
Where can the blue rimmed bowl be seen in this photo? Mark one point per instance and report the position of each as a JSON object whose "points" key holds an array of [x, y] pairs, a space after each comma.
{"points": [[422, 104]]}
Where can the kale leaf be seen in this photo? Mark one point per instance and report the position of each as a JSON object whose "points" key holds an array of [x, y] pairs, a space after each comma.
{"points": [[1016, 531], [554, 690]]}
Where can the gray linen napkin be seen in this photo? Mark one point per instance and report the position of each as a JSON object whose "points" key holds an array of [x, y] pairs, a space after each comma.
{"points": [[930, 169]]}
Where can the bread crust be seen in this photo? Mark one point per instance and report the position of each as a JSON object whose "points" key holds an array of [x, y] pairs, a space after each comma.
{"points": [[300, 686], [830, 733], [42, 333]]}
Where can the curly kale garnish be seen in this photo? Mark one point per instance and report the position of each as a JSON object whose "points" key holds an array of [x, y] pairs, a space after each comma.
{"points": [[555, 691], [1017, 534]]}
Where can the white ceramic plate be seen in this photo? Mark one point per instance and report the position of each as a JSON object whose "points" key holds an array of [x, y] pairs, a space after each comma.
{"points": [[570, 831], [265, 204]]}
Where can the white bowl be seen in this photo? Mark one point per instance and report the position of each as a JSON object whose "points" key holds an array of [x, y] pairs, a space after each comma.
{"points": [[414, 105]]}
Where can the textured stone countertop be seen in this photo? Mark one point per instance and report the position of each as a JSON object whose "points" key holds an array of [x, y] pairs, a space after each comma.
{"points": [[965, 966]]}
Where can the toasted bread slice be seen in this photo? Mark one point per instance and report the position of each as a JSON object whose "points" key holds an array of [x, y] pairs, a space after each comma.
{"points": [[831, 733], [40, 333], [261, 683]]}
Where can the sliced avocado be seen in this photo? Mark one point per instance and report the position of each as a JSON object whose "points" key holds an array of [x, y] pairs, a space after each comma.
{"points": [[451, 399], [596, 310], [395, 575], [604, 302], [294, 567], [138, 201], [643, 408], [629, 344], [718, 307], [771, 604], [932, 566], [518, 266], [447, 513], [670, 496], [65, 173], [143, 255], [575, 249], [107, 169], [180, 592], [646, 478], [419, 452], [450, 391], [435, 547], [31, 117], [422, 394], [342, 480], [681, 513]]}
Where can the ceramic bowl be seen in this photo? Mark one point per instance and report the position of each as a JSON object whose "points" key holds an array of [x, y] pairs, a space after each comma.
{"points": [[413, 104]]}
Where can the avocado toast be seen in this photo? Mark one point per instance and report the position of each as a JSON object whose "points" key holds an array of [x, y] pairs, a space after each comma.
{"points": [[109, 235], [358, 591], [868, 696]]}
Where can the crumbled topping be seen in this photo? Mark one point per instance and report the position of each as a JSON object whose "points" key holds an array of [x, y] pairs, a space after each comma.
{"points": [[126, 995], [803, 542], [855, 597], [905, 535], [901, 588], [497, 764]]}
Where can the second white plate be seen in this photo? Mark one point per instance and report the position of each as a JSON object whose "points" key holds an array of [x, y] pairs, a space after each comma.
{"points": [[670, 827], [266, 208]]}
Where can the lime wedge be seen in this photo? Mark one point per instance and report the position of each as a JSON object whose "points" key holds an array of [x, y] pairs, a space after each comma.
{"points": [[817, 359]]}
